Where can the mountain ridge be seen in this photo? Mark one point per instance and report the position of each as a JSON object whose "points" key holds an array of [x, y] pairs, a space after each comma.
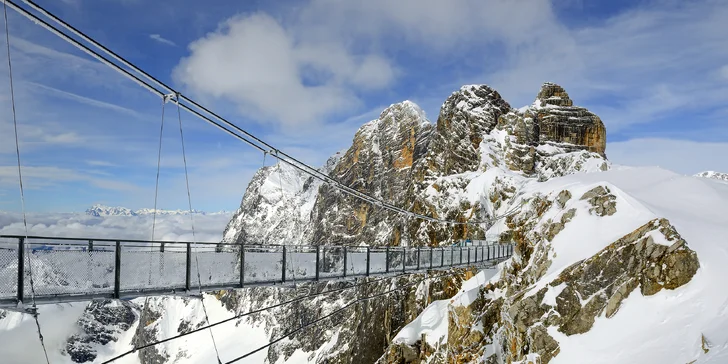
{"points": [[100, 210]]}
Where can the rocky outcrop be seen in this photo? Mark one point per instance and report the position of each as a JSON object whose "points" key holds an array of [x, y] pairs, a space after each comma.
{"points": [[381, 161], [101, 323], [512, 318], [560, 121], [553, 127]]}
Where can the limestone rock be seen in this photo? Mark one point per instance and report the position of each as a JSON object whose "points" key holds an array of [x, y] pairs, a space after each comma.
{"points": [[601, 199]]}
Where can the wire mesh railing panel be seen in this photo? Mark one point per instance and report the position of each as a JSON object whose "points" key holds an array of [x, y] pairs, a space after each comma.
{"points": [[437, 255], [68, 268], [8, 268], [215, 268], [378, 263], [457, 257], [426, 255], [149, 268], [300, 262], [331, 261], [411, 258], [447, 256], [356, 261], [263, 264], [396, 259]]}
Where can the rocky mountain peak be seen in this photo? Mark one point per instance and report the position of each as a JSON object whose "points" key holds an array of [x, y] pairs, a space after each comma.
{"points": [[553, 94], [713, 175]]}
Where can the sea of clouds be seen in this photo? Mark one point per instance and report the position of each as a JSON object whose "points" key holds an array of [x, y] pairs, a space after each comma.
{"points": [[208, 228]]}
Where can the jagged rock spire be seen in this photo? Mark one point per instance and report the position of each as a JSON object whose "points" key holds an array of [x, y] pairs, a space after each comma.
{"points": [[553, 94]]}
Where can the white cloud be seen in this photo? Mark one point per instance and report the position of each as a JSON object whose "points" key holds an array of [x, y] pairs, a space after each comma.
{"points": [[682, 156], [162, 40], [270, 73]]}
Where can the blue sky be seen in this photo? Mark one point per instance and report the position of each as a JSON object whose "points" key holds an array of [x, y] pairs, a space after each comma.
{"points": [[305, 75]]}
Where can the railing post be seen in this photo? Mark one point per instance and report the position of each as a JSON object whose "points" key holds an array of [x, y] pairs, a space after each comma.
{"points": [[418, 257], [468, 255], [21, 268], [90, 245], [487, 248], [345, 256], [283, 266], [404, 259], [161, 247], [369, 259], [476, 254], [117, 270], [452, 255], [318, 254], [460, 262], [442, 257], [188, 267], [430, 257], [386, 260], [242, 265]]}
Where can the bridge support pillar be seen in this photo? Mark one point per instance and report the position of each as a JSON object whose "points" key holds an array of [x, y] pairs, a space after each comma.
{"points": [[345, 256], [318, 257], [404, 259], [188, 267], [283, 266], [21, 268], [117, 270], [242, 265], [386, 260], [369, 260], [430, 257]]}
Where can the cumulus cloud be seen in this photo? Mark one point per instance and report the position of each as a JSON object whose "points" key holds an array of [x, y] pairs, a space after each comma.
{"points": [[208, 228], [682, 156], [322, 56], [262, 66]]}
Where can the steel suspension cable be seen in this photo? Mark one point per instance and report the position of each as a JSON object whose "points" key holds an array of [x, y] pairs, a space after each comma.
{"points": [[20, 182], [192, 224]]}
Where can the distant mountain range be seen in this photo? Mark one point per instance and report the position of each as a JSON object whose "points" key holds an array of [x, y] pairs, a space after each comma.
{"points": [[713, 175], [102, 210]]}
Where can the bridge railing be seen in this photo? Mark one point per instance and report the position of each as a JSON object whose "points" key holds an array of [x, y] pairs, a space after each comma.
{"points": [[74, 269]]}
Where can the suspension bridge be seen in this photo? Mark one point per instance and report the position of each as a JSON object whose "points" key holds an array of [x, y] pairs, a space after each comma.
{"points": [[72, 270], [43, 270]]}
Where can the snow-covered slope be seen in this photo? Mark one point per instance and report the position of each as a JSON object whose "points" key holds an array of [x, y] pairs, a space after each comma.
{"points": [[676, 314], [713, 175]]}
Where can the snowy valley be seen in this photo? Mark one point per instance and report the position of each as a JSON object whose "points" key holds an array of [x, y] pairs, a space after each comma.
{"points": [[613, 264]]}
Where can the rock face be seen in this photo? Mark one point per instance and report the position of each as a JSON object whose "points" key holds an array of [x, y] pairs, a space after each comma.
{"points": [[101, 323], [402, 158], [560, 121]]}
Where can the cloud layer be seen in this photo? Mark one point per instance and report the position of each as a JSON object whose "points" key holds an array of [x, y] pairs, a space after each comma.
{"points": [[208, 228]]}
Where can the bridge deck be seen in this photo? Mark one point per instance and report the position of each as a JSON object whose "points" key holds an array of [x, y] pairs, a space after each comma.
{"points": [[70, 269]]}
